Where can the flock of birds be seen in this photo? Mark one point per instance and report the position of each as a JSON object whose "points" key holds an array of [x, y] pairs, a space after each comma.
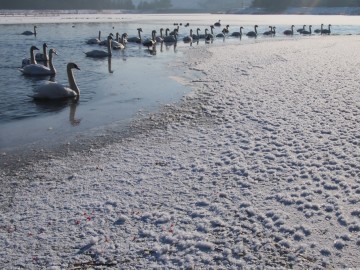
{"points": [[54, 90]]}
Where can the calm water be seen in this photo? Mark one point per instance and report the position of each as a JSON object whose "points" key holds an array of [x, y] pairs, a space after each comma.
{"points": [[112, 92]]}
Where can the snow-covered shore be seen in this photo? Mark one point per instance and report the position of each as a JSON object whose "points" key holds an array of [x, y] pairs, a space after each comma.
{"points": [[258, 166]]}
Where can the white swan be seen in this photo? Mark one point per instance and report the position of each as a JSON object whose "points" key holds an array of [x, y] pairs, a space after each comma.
{"points": [[307, 32], [253, 33], [326, 31], [289, 32], [151, 41], [136, 39], [160, 38], [31, 60], [116, 44], [237, 34], [222, 34], [42, 56], [188, 39], [54, 90], [40, 70], [197, 34], [101, 53], [105, 41], [169, 38], [268, 33], [300, 30], [94, 40], [29, 33]]}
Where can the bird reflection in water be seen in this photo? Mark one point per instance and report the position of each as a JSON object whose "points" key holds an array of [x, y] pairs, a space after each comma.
{"points": [[55, 106], [109, 65]]}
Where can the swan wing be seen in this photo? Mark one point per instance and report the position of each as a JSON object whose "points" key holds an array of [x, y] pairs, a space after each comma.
{"points": [[93, 41], [36, 69], [97, 53], [53, 90]]}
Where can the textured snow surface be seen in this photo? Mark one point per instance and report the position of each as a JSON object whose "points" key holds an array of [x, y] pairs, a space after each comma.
{"points": [[258, 166]]}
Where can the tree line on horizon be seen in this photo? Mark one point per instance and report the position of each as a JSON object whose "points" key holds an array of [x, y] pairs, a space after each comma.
{"points": [[213, 5], [283, 4], [83, 4]]}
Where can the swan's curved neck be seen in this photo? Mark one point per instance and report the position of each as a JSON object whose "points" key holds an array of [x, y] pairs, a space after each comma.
{"points": [[35, 30], [45, 54], [109, 46], [99, 34], [32, 56], [139, 34], [72, 82], [51, 65]]}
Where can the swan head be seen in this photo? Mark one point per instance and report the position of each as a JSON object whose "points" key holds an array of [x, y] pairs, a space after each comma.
{"points": [[33, 48], [139, 29], [73, 65], [44, 45], [52, 51]]}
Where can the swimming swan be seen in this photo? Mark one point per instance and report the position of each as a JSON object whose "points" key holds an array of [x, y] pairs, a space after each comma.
{"points": [[40, 70], [307, 32], [188, 39], [253, 33], [54, 90], [136, 39], [94, 40], [29, 33], [42, 56], [237, 34], [101, 53], [289, 32], [27, 61], [326, 31], [151, 41]]}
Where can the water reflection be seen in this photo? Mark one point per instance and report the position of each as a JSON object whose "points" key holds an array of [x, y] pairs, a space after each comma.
{"points": [[109, 65], [56, 106]]}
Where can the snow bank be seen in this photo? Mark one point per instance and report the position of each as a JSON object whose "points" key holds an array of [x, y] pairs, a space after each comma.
{"points": [[259, 166]]}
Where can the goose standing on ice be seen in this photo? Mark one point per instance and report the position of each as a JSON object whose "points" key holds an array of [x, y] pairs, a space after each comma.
{"points": [[31, 60], [289, 32], [101, 53], [40, 70], [54, 90], [29, 33], [136, 39], [253, 33], [94, 40]]}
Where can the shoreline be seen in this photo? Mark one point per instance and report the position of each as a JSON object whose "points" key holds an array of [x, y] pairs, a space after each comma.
{"points": [[255, 167]]}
